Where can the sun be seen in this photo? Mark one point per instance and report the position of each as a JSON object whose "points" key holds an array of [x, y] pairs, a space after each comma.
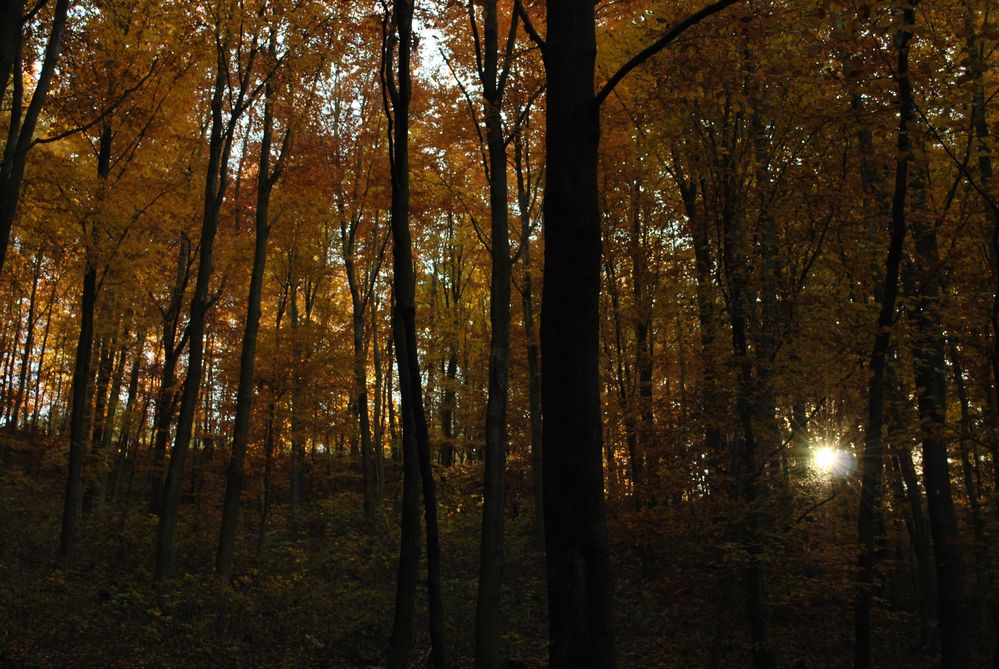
{"points": [[825, 458], [831, 460]]}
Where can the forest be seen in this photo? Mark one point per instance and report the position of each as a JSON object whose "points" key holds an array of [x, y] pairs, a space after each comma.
{"points": [[499, 334]]}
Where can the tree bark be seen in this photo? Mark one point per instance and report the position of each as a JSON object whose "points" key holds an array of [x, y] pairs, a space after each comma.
{"points": [[29, 342], [487, 610], [78, 430], [21, 130], [533, 362], [216, 182], [244, 392], [166, 395], [578, 559], [929, 359], [415, 439], [872, 458]]}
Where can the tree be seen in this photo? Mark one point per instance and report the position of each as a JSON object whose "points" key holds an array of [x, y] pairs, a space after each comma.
{"points": [[223, 129], [21, 128], [397, 89], [267, 176], [579, 587]]}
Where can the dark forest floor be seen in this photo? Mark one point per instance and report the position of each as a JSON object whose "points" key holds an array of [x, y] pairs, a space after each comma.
{"points": [[323, 596]]}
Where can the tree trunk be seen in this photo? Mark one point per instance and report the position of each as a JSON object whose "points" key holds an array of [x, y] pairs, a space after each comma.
{"points": [[123, 451], [78, 430], [41, 360], [166, 395], [415, 439], [244, 392], [21, 130], [533, 363], [578, 560], [487, 610], [78, 433], [929, 359], [215, 186], [29, 342], [872, 458]]}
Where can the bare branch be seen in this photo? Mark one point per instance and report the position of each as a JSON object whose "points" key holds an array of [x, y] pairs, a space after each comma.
{"points": [[660, 44]]}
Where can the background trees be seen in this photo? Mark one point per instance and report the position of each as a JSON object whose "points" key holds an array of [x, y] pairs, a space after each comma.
{"points": [[715, 274]]}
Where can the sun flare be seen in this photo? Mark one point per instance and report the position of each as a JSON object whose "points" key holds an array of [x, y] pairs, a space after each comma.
{"points": [[830, 460]]}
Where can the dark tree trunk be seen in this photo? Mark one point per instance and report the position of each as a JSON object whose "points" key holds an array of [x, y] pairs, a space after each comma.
{"points": [[487, 610], [297, 407], [78, 430], [29, 342], [124, 450], [41, 360], [415, 439], [929, 359], [244, 391], [578, 560], [533, 362], [706, 315], [915, 522], [166, 395], [78, 433], [872, 457], [216, 182], [21, 129]]}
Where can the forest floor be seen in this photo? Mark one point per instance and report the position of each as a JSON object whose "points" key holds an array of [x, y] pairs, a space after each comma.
{"points": [[323, 596]]}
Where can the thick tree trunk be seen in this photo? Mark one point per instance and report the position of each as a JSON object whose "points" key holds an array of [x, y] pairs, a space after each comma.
{"points": [[578, 561], [929, 358]]}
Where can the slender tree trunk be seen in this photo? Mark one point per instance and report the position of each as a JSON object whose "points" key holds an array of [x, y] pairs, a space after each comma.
{"points": [[244, 392], [123, 450], [916, 525], [21, 130], [78, 431], [487, 611], [706, 317], [379, 408], [36, 409], [533, 363], [872, 458], [166, 395], [10, 357], [29, 342], [415, 439], [297, 406], [967, 470], [102, 480], [215, 185]]}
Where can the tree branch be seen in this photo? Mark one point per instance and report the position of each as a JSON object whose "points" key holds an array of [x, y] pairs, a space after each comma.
{"points": [[518, 6], [659, 45]]}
